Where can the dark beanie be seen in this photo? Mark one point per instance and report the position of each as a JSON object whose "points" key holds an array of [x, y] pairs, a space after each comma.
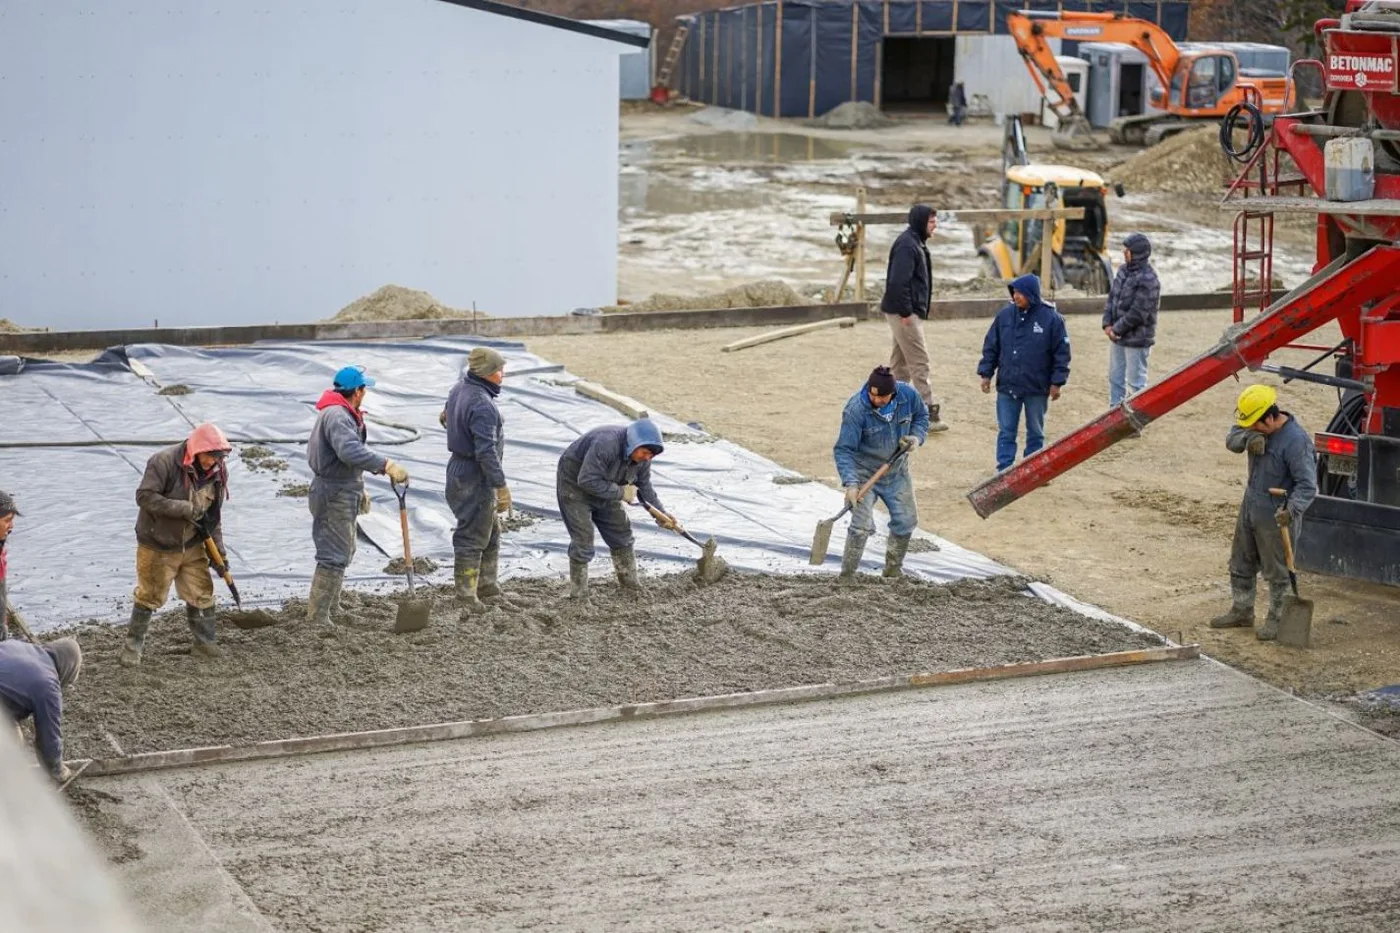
{"points": [[881, 380]]}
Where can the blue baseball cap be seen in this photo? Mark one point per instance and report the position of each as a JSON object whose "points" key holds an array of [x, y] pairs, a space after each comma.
{"points": [[353, 377]]}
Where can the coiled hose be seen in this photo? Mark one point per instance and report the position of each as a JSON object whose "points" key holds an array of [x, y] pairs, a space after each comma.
{"points": [[1254, 123]]}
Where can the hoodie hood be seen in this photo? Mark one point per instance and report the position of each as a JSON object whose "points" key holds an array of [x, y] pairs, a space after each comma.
{"points": [[918, 220], [205, 439], [332, 399], [644, 433], [1028, 285], [67, 659], [1139, 246]]}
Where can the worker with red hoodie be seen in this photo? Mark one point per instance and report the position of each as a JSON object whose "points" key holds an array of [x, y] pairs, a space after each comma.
{"points": [[337, 454], [181, 497]]}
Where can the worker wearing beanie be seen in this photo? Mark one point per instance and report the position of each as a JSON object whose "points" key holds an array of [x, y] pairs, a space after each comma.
{"points": [[476, 481], [181, 499], [339, 458], [599, 473], [1281, 456], [883, 419], [32, 678], [8, 512]]}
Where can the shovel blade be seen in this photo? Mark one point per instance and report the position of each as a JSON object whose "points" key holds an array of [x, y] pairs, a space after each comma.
{"points": [[821, 540], [711, 567], [1295, 624], [251, 619], [412, 617]]}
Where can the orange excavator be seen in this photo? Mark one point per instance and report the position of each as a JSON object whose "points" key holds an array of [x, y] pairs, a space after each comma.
{"points": [[1200, 86]]}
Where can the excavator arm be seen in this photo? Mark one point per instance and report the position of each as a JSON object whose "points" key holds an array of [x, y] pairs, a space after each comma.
{"points": [[1032, 29]]}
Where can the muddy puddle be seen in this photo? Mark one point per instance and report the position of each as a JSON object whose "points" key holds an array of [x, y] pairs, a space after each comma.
{"points": [[677, 639]]}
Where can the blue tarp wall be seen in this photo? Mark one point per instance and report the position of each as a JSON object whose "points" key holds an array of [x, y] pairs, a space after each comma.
{"points": [[799, 58]]}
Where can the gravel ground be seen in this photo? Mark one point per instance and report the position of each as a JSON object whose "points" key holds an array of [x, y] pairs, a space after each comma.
{"points": [[749, 632]]}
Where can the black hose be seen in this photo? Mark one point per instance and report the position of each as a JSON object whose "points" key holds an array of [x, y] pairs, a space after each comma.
{"points": [[1254, 124]]}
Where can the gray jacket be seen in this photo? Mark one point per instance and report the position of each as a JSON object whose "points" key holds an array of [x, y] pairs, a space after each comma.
{"points": [[1289, 462], [336, 450], [476, 433], [600, 464], [166, 519], [29, 686]]}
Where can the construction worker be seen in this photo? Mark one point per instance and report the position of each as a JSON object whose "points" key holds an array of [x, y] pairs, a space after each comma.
{"points": [[957, 101], [1281, 456], [886, 417], [181, 499], [338, 457], [476, 482], [1027, 349], [908, 291], [1130, 320], [32, 678], [8, 513], [598, 474]]}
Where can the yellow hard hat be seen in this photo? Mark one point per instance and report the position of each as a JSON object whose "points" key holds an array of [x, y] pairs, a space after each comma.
{"points": [[1254, 401]]}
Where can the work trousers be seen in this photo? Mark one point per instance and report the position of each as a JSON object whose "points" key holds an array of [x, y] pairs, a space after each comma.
{"points": [[187, 569], [896, 490], [1009, 409], [473, 503], [583, 512], [1127, 372], [334, 508], [1258, 544], [909, 357]]}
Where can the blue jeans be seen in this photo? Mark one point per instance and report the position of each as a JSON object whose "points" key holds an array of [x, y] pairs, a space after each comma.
{"points": [[1009, 421], [1128, 363], [896, 490]]}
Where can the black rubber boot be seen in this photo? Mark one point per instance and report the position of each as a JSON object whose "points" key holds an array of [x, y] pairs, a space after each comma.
{"points": [[578, 579], [625, 565], [895, 549], [135, 637], [466, 577], [850, 558], [488, 584], [202, 628], [325, 592], [1241, 614], [1278, 595]]}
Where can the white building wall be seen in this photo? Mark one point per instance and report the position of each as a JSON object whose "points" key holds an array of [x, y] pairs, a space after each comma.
{"points": [[991, 65], [201, 163]]}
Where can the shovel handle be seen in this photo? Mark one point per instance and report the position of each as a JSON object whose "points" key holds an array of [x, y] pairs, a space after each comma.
{"points": [[1287, 548], [401, 492]]}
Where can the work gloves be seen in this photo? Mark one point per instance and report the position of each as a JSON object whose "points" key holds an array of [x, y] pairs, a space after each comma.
{"points": [[1255, 445], [395, 472], [629, 494], [503, 499], [852, 495], [364, 502], [908, 443], [1283, 518]]}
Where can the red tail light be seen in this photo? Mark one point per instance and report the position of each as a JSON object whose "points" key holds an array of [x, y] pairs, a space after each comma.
{"points": [[1335, 444]]}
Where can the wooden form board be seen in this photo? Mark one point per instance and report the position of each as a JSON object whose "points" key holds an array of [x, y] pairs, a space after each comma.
{"points": [[783, 332]]}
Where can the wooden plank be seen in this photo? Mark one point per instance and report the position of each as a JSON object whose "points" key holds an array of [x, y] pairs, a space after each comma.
{"points": [[628, 406], [533, 722], [994, 215], [785, 332], [1387, 207]]}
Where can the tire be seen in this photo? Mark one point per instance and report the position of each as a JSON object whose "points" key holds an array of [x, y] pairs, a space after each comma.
{"points": [[1347, 423]]}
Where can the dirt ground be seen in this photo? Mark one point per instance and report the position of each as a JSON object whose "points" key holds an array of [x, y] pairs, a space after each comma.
{"points": [[678, 639], [1142, 530]]}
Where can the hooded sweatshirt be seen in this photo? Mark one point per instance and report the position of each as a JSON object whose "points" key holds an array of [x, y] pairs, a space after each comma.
{"points": [[599, 463], [172, 486], [32, 678], [336, 450], [1135, 298], [1028, 351], [909, 279]]}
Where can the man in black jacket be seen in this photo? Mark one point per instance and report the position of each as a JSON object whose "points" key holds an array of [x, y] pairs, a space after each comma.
{"points": [[1130, 320], [908, 290]]}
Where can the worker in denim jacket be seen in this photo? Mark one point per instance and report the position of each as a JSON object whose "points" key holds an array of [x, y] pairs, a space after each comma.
{"points": [[883, 419]]}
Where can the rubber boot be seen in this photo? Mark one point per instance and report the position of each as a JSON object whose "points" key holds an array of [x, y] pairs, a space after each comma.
{"points": [[325, 591], [202, 624], [466, 576], [1241, 614], [935, 424], [135, 636], [625, 565], [488, 584], [1278, 595], [578, 579], [895, 549], [850, 558]]}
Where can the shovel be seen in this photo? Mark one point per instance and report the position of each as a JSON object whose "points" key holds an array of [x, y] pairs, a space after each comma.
{"points": [[822, 539], [413, 612], [711, 567], [1295, 623], [256, 618]]}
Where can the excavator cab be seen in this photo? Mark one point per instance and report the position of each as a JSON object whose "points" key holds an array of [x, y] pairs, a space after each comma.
{"points": [[1200, 83]]}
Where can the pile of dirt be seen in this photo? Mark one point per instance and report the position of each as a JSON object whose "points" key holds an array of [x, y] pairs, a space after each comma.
{"points": [[177, 389], [421, 565], [1184, 163], [294, 490], [852, 115], [517, 520], [8, 326], [262, 460], [676, 639], [396, 303], [768, 293]]}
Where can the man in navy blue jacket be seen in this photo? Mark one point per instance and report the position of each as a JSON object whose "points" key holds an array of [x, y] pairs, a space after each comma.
{"points": [[476, 481], [1027, 349]]}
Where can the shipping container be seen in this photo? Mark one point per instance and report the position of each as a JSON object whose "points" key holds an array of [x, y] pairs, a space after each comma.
{"points": [[1119, 81]]}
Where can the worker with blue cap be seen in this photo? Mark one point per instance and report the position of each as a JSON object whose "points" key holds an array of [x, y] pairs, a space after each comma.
{"points": [[339, 458]]}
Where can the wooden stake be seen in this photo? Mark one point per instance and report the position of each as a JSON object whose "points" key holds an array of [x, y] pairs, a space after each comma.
{"points": [[860, 248], [783, 332], [628, 406]]}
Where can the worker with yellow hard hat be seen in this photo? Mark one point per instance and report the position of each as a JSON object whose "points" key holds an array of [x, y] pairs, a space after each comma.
{"points": [[1281, 456]]}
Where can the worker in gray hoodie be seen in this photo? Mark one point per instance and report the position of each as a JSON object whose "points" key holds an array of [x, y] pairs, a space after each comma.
{"points": [[339, 458], [32, 678], [599, 473], [476, 481]]}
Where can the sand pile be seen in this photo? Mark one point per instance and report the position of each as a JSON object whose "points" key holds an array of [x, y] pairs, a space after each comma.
{"points": [[396, 303], [766, 294], [8, 326], [852, 115], [1187, 162]]}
